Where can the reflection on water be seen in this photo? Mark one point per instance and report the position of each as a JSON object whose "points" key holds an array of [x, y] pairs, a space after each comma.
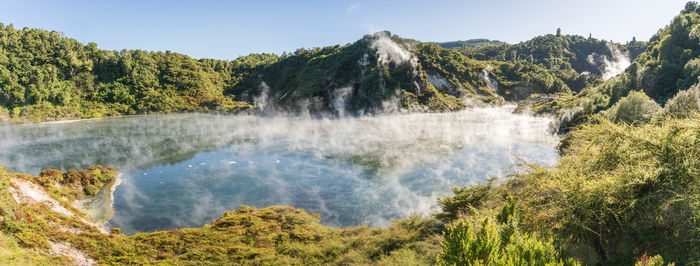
{"points": [[183, 170]]}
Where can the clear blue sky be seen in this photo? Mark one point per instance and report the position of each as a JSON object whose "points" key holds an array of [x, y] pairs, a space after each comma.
{"points": [[228, 29]]}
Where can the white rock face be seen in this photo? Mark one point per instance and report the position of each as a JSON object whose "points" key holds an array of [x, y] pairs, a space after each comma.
{"points": [[440, 83], [27, 192], [492, 84], [66, 250]]}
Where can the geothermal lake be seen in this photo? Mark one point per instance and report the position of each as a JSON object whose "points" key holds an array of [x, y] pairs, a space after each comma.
{"points": [[183, 170]]}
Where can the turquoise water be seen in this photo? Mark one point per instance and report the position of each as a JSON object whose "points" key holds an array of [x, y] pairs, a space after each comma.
{"points": [[184, 170]]}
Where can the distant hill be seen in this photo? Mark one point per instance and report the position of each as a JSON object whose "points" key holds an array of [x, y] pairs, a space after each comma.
{"points": [[471, 44], [565, 51]]}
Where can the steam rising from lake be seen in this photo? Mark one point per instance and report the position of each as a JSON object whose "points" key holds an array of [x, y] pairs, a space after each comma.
{"points": [[183, 170]]}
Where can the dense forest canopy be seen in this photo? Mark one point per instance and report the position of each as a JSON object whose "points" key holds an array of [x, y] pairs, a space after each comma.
{"points": [[558, 52]]}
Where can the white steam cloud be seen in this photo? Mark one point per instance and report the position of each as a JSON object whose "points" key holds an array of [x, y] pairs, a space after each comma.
{"points": [[610, 67], [340, 97], [389, 51], [261, 100]]}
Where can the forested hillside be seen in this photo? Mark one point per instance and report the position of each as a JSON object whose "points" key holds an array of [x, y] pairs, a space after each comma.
{"points": [[670, 65], [46, 76], [561, 52]]}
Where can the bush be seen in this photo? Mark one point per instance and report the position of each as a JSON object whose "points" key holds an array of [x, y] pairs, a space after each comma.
{"points": [[464, 198], [617, 191], [645, 260], [684, 104], [478, 241], [635, 108], [468, 243], [622, 190]]}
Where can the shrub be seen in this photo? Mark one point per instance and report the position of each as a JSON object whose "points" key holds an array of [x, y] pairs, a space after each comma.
{"points": [[645, 260], [464, 198], [684, 104], [477, 241], [617, 191], [635, 108], [621, 190]]}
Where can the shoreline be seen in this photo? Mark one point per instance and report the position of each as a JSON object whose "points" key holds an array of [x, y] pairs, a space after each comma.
{"points": [[100, 209], [514, 107]]}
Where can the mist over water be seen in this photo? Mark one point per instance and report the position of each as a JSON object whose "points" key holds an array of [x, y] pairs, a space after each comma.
{"points": [[183, 170]]}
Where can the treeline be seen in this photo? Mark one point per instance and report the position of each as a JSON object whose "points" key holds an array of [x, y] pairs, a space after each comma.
{"points": [[471, 44], [44, 75], [514, 80]]}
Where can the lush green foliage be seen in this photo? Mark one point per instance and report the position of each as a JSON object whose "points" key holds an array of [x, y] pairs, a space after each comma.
{"points": [[474, 78], [645, 260], [636, 107], [479, 241], [684, 104], [618, 191], [471, 44], [669, 65], [672, 61], [45, 76], [314, 80], [563, 52]]}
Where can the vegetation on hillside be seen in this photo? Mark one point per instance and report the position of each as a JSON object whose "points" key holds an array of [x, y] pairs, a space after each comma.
{"points": [[669, 65], [471, 44], [511, 80], [619, 191], [558, 52], [46, 76], [626, 186]]}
